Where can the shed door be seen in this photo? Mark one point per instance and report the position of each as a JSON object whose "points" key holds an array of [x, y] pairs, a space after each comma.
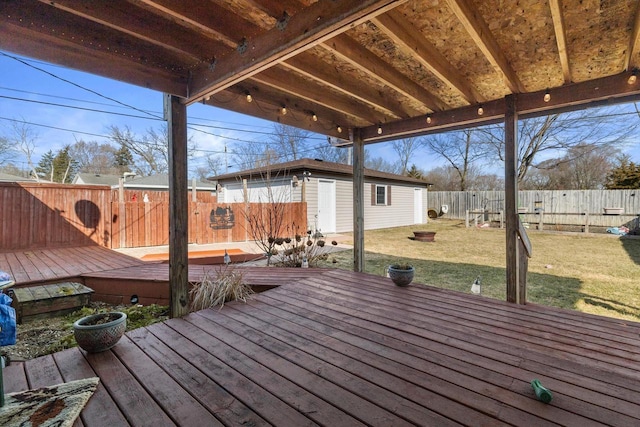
{"points": [[417, 205], [326, 217]]}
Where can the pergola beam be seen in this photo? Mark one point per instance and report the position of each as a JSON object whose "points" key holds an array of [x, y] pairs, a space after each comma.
{"points": [[395, 26], [315, 24], [561, 38], [511, 199], [593, 93], [483, 38]]}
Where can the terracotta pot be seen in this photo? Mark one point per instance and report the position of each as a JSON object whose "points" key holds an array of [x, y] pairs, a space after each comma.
{"points": [[401, 277], [100, 332]]}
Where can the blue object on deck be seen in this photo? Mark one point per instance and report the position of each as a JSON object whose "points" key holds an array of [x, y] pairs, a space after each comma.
{"points": [[7, 321]]}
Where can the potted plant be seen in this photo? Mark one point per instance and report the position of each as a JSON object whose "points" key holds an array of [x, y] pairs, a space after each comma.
{"points": [[401, 274], [100, 332]]}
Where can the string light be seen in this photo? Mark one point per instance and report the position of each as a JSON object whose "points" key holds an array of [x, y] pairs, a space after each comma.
{"points": [[547, 96], [633, 77], [480, 110], [339, 129], [379, 130], [428, 120], [249, 97], [208, 97], [283, 110], [314, 117]]}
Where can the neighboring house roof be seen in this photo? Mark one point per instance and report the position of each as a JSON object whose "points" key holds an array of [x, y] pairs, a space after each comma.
{"points": [[96, 179], [7, 177], [161, 182], [319, 166]]}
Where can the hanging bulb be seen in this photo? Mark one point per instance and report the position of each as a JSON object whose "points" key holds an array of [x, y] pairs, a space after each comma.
{"points": [[547, 96], [339, 129], [633, 77], [314, 117], [379, 130], [208, 97], [284, 110], [480, 110], [249, 97], [428, 120]]}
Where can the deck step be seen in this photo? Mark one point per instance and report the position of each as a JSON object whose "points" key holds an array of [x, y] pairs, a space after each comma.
{"points": [[49, 300]]}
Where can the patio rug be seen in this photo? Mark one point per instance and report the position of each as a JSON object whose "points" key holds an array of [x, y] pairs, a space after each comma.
{"points": [[57, 405]]}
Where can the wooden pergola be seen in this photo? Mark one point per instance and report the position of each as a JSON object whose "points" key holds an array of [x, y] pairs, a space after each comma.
{"points": [[363, 71]]}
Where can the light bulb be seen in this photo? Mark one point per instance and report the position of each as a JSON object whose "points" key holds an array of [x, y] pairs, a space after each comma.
{"points": [[547, 96], [284, 110], [314, 117], [379, 130], [632, 78], [428, 120], [480, 110], [339, 129], [249, 97]]}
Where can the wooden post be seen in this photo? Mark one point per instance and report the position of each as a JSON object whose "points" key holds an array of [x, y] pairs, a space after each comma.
{"points": [[466, 218], [511, 199], [194, 194], [586, 222], [178, 208], [501, 212], [541, 220], [358, 201]]}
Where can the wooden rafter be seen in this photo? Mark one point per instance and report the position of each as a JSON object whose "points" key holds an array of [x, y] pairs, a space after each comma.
{"points": [[296, 86], [142, 25], [634, 42], [481, 35], [314, 25], [359, 57], [561, 39], [409, 39], [313, 68], [200, 16]]}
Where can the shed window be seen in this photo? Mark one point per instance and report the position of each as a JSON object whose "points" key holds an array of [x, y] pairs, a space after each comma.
{"points": [[381, 195]]}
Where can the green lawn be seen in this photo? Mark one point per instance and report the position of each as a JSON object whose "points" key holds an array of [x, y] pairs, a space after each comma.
{"points": [[597, 274]]}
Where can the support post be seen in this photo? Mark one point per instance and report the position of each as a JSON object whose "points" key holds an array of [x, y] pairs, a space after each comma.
{"points": [[178, 207], [358, 201], [511, 199]]}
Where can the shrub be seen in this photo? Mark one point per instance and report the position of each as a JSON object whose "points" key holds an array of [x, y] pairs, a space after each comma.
{"points": [[225, 285]]}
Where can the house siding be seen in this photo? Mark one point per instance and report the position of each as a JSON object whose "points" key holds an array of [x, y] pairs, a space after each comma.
{"points": [[398, 213]]}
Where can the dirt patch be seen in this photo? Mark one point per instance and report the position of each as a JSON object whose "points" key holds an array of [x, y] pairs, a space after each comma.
{"points": [[44, 336]]}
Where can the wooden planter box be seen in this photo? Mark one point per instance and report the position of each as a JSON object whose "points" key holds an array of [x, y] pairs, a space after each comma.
{"points": [[49, 300], [424, 236]]}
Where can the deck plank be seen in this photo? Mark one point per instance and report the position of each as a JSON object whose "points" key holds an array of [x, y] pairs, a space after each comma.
{"points": [[178, 404], [216, 398], [265, 394], [137, 406]]}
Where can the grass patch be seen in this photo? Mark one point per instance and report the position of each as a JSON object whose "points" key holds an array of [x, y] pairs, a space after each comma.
{"points": [[595, 274]]}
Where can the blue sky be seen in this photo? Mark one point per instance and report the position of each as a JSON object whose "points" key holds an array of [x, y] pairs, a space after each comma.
{"points": [[34, 90]]}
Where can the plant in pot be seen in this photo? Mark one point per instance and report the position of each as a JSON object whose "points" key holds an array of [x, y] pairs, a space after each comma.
{"points": [[401, 273], [99, 332]]}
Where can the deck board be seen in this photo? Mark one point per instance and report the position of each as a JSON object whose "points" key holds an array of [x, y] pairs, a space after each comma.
{"points": [[330, 347]]}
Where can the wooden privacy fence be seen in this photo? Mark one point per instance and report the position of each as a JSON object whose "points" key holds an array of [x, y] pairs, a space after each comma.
{"points": [[557, 207], [34, 215]]}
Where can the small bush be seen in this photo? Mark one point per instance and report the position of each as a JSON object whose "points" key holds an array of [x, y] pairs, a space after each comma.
{"points": [[225, 285]]}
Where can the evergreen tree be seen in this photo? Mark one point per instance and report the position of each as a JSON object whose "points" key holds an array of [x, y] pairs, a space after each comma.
{"points": [[64, 167], [414, 172], [124, 160], [45, 166], [624, 176]]}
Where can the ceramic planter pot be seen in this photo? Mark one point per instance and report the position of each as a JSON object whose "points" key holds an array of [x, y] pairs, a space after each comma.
{"points": [[100, 332], [401, 277]]}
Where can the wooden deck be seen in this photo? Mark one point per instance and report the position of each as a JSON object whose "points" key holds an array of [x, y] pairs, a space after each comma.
{"points": [[345, 349], [59, 264]]}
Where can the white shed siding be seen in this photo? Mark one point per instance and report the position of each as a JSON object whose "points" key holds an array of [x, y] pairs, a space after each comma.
{"points": [[257, 191], [344, 206], [399, 213]]}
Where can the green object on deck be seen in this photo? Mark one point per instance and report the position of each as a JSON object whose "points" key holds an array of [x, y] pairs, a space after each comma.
{"points": [[542, 393]]}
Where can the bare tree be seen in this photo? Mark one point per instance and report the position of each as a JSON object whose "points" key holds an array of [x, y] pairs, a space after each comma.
{"points": [[213, 167], [329, 153], [556, 134], [24, 138], [6, 149], [461, 149], [150, 151], [288, 142], [93, 157], [583, 167], [406, 148]]}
